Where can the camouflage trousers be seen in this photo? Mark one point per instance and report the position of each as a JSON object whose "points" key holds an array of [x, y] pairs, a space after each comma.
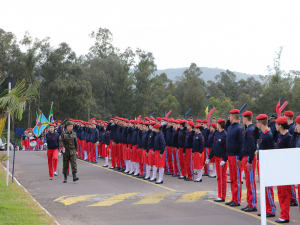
{"points": [[69, 156]]}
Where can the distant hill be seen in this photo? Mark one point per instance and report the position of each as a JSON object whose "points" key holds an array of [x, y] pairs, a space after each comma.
{"points": [[208, 73]]}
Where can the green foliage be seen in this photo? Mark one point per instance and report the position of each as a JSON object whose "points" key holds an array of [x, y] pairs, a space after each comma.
{"points": [[170, 103]]}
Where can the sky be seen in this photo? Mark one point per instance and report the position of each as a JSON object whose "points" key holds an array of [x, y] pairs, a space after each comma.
{"points": [[238, 35]]}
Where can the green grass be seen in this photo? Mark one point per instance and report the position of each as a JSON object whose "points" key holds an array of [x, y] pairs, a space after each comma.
{"points": [[18, 207]]}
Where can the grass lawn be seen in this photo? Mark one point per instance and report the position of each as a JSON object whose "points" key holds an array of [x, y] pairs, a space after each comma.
{"points": [[17, 206]]}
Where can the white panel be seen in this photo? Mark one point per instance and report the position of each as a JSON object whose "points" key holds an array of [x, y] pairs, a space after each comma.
{"points": [[280, 166]]}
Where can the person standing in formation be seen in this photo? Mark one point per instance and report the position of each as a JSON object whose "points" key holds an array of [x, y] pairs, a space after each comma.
{"points": [[198, 147], [52, 143]]}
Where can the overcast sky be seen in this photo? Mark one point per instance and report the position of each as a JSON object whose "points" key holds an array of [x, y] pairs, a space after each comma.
{"points": [[238, 35]]}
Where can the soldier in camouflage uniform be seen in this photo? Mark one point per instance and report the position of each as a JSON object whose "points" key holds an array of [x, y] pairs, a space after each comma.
{"points": [[68, 143]]}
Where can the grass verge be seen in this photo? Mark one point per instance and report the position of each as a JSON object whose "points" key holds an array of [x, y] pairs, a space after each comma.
{"points": [[17, 206]]}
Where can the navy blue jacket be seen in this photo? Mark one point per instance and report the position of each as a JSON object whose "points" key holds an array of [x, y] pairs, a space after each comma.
{"points": [[234, 140], [292, 128], [60, 129], [129, 135], [175, 139], [210, 139], [219, 145], [134, 136], [145, 139], [52, 140], [112, 129], [284, 141], [295, 140], [188, 140], [140, 138], [249, 143], [168, 132], [198, 143], [159, 142], [227, 124], [151, 139], [265, 141], [105, 137], [82, 133], [205, 133], [124, 135], [87, 134], [94, 135], [181, 137]]}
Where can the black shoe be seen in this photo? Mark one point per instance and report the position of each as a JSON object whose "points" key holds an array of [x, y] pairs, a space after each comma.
{"points": [[111, 168], [180, 177], [195, 173], [229, 181], [282, 221], [249, 209], [245, 207], [165, 172], [292, 203], [131, 173], [198, 180], [136, 175], [228, 203], [74, 177], [188, 179], [159, 182], [234, 204], [105, 166], [219, 200], [117, 168], [205, 175], [121, 170], [146, 178], [175, 175], [55, 174], [169, 173], [140, 176], [267, 214], [152, 180], [50, 178], [212, 176], [65, 178], [126, 172]]}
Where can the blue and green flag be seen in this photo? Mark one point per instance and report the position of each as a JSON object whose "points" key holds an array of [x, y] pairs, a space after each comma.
{"points": [[41, 124], [50, 118]]}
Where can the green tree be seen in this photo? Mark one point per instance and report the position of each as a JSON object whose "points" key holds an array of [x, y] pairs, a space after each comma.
{"points": [[169, 103]]}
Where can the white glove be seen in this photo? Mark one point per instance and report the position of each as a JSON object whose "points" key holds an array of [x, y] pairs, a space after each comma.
{"points": [[105, 146], [222, 163], [207, 161], [45, 144], [97, 143]]}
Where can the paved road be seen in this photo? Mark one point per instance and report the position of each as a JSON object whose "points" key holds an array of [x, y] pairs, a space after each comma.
{"points": [[103, 196]]}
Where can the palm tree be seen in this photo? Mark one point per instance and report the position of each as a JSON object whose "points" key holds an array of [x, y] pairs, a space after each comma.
{"points": [[15, 101]]}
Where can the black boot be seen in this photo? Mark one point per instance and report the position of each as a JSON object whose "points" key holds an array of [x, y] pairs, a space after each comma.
{"points": [[74, 177], [65, 178]]}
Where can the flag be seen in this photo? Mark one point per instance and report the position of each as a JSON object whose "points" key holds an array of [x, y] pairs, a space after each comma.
{"points": [[37, 117], [134, 118], [40, 125], [50, 118], [277, 107], [206, 111]]}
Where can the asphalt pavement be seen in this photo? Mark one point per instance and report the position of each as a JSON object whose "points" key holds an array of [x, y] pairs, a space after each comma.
{"points": [[103, 196]]}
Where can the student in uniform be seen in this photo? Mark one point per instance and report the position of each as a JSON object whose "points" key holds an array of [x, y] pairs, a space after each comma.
{"points": [[159, 148], [167, 130], [205, 133], [284, 141], [140, 148], [145, 145], [266, 141], [234, 145], [94, 142], [105, 139], [150, 147], [187, 151], [198, 147], [213, 129], [134, 149], [176, 164], [249, 161], [181, 142], [128, 149], [218, 151]]}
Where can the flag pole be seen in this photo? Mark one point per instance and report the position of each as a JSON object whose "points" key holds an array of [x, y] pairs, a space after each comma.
{"points": [[8, 139]]}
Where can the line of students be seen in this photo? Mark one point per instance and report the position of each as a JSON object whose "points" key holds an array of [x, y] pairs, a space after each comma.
{"points": [[180, 148]]}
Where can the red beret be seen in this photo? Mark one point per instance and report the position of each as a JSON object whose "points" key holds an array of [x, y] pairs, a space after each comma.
{"points": [[152, 119], [126, 120], [93, 118], [140, 121], [147, 118], [171, 120], [189, 120], [131, 121], [221, 120], [175, 121], [234, 111], [262, 117], [247, 113], [158, 118], [98, 121], [152, 123], [112, 118], [204, 121], [157, 125], [297, 120], [93, 123], [198, 121], [288, 113], [183, 121], [281, 120], [164, 119], [178, 120], [51, 124], [214, 125], [146, 123], [191, 123], [198, 125], [71, 119], [117, 117], [59, 121]]}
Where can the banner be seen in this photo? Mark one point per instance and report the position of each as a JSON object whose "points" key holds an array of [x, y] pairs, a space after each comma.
{"points": [[41, 125]]}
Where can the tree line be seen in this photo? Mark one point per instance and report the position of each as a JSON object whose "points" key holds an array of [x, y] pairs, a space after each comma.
{"points": [[108, 82]]}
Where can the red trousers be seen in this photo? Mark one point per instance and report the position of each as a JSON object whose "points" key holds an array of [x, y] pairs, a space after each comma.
{"points": [[125, 153], [159, 161], [292, 193], [135, 155], [113, 154], [121, 160], [100, 149], [182, 161], [140, 152], [221, 190], [89, 148], [270, 205], [284, 201], [78, 147], [235, 178], [189, 164], [52, 160], [83, 147], [151, 158], [129, 156], [250, 182], [176, 161], [93, 152], [169, 161]]}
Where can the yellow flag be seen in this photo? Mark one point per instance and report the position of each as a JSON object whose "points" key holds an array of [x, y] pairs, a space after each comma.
{"points": [[206, 111]]}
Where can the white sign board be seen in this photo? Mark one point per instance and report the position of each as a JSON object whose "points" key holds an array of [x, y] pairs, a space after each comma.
{"points": [[277, 167]]}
